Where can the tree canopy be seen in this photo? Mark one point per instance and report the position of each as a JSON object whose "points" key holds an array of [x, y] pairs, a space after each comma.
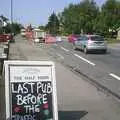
{"points": [[53, 24], [88, 17], [9, 28]]}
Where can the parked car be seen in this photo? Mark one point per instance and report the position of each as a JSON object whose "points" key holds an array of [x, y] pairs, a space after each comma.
{"points": [[90, 43], [6, 38], [72, 38]]}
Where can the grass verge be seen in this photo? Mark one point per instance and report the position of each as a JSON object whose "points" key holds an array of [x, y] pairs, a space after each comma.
{"points": [[112, 41]]}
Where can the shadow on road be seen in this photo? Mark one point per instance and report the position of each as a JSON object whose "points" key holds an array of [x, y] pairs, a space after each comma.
{"points": [[71, 115]]}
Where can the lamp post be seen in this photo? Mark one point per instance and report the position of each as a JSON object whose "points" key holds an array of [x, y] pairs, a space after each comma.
{"points": [[11, 16]]}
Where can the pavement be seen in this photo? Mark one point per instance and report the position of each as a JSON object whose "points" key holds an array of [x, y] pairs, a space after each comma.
{"points": [[77, 99]]}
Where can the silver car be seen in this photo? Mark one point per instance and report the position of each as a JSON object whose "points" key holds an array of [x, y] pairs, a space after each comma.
{"points": [[90, 43]]}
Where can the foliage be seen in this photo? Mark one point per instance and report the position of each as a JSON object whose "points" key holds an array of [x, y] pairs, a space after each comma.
{"points": [[14, 28], [80, 17], [111, 16], [88, 17], [41, 27], [53, 24], [3, 18], [9, 28]]}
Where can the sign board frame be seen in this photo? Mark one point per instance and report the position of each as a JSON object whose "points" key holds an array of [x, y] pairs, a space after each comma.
{"points": [[9, 66]]}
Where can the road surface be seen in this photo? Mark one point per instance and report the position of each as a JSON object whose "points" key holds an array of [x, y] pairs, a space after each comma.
{"points": [[104, 69], [77, 98]]}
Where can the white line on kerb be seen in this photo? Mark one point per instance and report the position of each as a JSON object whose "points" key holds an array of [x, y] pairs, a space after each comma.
{"points": [[115, 76], [64, 49], [91, 63]]}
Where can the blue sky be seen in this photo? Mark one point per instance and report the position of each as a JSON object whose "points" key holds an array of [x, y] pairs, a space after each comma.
{"points": [[35, 11]]}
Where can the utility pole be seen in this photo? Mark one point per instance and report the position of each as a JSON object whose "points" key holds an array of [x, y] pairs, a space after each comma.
{"points": [[12, 17]]}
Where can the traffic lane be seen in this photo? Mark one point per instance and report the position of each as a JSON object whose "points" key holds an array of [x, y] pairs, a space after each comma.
{"points": [[67, 53], [115, 67], [107, 61], [73, 59], [110, 61], [96, 73], [78, 62], [75, 94]]}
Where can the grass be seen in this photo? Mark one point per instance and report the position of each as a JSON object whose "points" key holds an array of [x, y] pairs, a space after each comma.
{"points": [[112, 41]]}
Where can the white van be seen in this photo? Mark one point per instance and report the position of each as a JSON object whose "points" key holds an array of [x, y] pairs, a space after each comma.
{"points": [[23, 32], [39, 35]]}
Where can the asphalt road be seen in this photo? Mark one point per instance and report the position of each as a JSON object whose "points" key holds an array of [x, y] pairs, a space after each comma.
{"points": [[77, 99], [104, 69]]}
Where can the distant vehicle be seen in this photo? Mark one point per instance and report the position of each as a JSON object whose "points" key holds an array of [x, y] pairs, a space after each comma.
{"points": [[90, 43], [23, 32], [5, 37], [38, 35], [72, 38]]}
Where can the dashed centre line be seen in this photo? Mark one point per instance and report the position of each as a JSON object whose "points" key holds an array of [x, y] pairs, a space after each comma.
{"points": [[66, 50], [89, 62], [114, 76]]}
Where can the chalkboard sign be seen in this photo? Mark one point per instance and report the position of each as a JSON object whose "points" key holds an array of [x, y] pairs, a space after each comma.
{"points": [[30, 90]]}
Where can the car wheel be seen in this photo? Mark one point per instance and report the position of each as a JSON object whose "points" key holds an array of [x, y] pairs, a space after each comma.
{"points": [[85, 50], [104, 51]]}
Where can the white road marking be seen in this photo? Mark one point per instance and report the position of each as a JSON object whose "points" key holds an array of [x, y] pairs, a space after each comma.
{"points": [[115, 76], [64, 49], [60, 56], [91, 63]]}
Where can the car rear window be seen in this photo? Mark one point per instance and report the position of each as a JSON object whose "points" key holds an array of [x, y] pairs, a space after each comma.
{"points": [[97, 38], [82, 38]]}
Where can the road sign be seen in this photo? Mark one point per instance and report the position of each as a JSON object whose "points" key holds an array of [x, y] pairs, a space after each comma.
{"points": [[30, 90]]}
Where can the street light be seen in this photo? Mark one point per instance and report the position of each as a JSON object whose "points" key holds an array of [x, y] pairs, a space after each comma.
{"points": [[11, 11], [11, 16]]}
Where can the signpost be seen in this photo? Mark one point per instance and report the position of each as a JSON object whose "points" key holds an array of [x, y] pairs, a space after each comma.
{"points": [[30, 89]]}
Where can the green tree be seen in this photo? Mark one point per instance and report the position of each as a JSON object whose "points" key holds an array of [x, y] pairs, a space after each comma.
{"points": [[3, 21], [41, 27], [109, 17], [80, 17], [3, 18], [16, 27], [53, 24]]}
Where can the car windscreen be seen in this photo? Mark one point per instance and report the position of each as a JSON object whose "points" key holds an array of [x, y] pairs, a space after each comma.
{"points": [[97, 38]]}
